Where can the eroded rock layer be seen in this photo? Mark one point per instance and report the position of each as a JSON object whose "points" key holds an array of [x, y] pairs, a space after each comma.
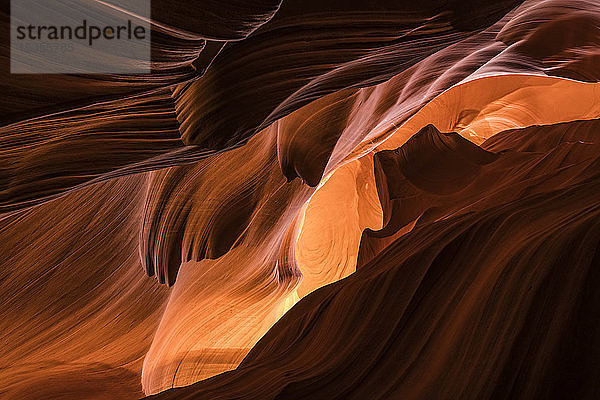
{"points": [[490, 295], [310, 200]]}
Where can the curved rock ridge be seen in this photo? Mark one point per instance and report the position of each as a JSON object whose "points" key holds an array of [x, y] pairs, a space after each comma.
{"points": [[443, 164], [407, 201], [77, 316], [164, 252], [492, 298], [248, 84], [177, 41], [429, 165], [441, 240]]}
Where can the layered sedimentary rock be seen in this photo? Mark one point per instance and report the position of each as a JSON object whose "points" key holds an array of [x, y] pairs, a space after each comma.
{"points": [[511, 252], [326, 199]]}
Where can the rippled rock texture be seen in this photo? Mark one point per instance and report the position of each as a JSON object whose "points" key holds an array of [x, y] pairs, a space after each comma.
{"points": [[311, 200]]}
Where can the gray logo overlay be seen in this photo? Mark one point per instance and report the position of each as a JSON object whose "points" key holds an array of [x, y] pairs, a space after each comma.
{"points": [[80, 36]]}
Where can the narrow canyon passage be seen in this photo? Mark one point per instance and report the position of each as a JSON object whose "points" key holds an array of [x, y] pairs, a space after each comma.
{"points": [[310, 200]]}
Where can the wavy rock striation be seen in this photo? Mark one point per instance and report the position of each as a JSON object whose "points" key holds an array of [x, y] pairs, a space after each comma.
{"points": [[488, 296], [441, 240]]}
